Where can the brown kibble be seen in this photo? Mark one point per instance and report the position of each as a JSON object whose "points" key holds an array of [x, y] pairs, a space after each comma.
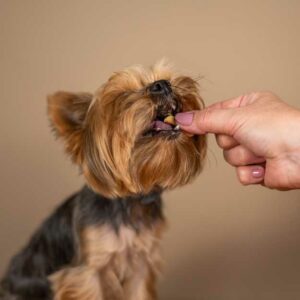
{"points": [[170, 120]]}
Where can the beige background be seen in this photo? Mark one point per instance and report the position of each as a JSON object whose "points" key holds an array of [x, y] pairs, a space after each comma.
{"points": [[225, 241]]}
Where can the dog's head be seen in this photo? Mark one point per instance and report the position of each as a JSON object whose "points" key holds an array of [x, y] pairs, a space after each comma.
{"points": [[120, 136]]}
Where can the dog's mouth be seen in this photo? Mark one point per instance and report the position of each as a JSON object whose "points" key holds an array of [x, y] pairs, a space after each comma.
{"points": [[164, 124], [168, 104]]}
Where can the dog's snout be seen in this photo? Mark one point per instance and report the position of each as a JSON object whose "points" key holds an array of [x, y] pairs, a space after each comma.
{"points": [[160, 87]]}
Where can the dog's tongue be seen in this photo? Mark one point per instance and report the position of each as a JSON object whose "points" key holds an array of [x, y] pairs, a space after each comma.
{"points": [[159, 125]]}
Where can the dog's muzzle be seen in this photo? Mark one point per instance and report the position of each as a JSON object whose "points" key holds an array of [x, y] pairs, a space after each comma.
{"points": [[167, 106]]}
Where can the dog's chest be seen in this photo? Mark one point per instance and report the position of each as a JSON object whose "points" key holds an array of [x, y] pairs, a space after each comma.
{"points": [[123, 253]]}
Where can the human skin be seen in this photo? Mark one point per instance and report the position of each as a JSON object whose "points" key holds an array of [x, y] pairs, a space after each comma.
{"points": [[259, 135]]}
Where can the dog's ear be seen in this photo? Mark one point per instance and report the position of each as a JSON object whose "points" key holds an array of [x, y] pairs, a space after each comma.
{"points": [[67, 113]]}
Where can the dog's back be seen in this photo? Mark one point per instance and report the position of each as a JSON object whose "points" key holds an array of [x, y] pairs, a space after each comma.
{"points": [[65, 247], [50, 248]]}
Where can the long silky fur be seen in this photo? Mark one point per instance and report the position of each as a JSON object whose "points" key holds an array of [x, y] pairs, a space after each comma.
{"points": [[103, 243]]}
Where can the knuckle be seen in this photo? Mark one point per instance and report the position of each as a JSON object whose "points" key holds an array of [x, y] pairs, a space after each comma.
{"points": [[243, 181], [267, 93], [242, 177], [276, 182], [227, 156], [223, 141], [236, 156], [219, 140], [269, 183], [202, 117], [241, 156]]}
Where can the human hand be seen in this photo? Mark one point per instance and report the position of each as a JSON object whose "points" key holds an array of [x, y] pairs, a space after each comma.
{"points": [[259, 135]]}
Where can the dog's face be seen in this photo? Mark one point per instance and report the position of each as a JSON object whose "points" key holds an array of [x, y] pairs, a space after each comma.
{"points": [[119, 138]]}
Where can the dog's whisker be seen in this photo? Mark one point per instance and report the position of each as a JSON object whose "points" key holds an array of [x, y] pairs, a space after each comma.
{"points": [[181, 88], [198, 78]]}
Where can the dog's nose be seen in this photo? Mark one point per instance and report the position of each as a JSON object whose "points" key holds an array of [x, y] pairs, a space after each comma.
{"points": [[160, 87]]}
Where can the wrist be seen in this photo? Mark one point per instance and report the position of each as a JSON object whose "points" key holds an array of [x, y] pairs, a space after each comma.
{"points": [[291, 155], [290, 133], [293, 169]]}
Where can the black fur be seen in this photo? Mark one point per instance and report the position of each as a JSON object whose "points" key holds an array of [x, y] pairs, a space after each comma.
{"points": [[56, 244]]}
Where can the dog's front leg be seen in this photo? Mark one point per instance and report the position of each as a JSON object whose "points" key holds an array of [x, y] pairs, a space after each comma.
{"points": [[78, 283], [142, 284]]}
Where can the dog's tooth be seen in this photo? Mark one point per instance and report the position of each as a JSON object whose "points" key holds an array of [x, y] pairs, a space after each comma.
{"points": [[170, 120], [177, 127]]}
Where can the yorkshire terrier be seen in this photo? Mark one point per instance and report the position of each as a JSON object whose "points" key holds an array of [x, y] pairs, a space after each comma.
{"points": [[104, 241]]}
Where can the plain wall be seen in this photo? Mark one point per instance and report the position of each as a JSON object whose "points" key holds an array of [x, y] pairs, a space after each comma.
{"points": [[225, 241]]}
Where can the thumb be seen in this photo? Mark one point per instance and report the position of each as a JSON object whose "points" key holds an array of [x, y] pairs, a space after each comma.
{"points": [[209, 120]]}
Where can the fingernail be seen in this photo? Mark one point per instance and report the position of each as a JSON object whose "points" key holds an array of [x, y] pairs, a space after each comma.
{"points": [[257, 172], [185, 118]]}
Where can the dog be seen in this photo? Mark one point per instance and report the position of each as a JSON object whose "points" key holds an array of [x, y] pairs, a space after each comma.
{"points": [[103, 242]]}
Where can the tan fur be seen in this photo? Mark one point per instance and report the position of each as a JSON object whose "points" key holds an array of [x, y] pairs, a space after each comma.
{"points": [[103, 134], [76, 283], [116, 160], [131, 163], [113, 265]]}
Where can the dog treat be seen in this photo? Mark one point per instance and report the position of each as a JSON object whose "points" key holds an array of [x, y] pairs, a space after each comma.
{"points": [[170, 120]]}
